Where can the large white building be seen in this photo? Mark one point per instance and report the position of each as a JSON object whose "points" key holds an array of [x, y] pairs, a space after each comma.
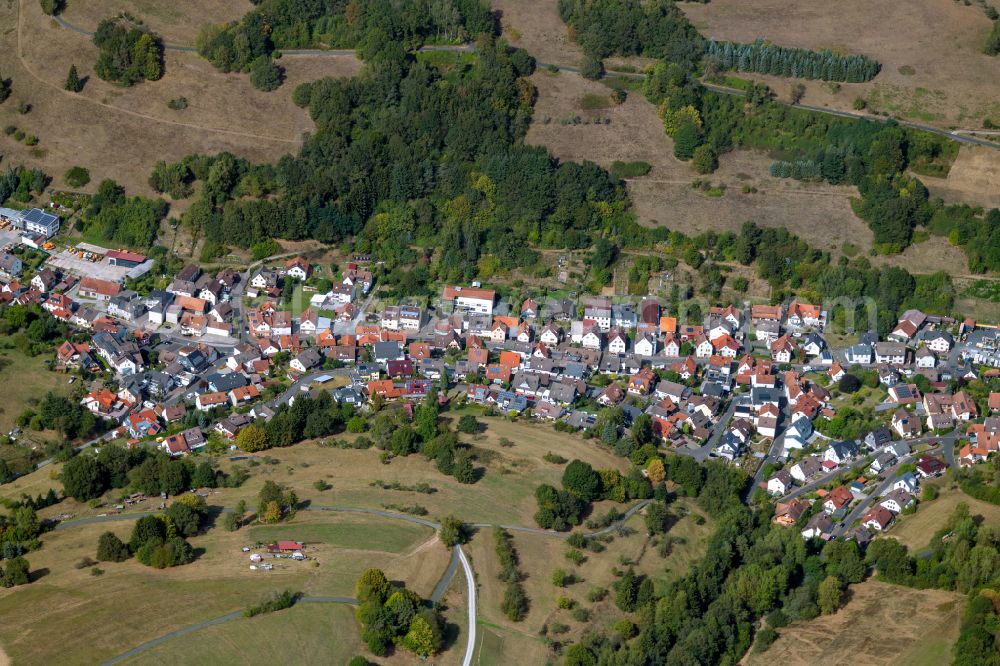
{"points": [[471, 299], [34, 221]]}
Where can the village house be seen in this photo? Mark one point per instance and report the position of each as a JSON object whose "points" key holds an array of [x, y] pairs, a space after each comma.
{"points": [[877, 518], [780, 483], [805, 469], [782, 350]]}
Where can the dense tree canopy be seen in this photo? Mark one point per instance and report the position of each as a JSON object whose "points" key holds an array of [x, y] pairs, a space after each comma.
{"points": [[128, 54]]}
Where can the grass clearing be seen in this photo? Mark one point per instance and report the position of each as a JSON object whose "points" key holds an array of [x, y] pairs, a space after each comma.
{"points": [[346, 532], [310, 633], [535, 25], [917, 529], [664, 196], [923, 623]]}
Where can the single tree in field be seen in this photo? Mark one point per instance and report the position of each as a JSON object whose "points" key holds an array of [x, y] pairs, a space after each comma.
{"points": [[73, 83]]}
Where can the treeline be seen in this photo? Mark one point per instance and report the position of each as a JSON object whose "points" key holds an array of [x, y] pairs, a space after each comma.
{"points": [[657, 29], [369, 25], [128, 54], [307, 418], [964, 555], [765, 57], [873, 156], [130, 221], [86, 477], [59, 413], [515, 602]]}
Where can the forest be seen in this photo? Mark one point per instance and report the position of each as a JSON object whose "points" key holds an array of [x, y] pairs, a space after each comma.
{"points": [[767, 58], [414, 162]]}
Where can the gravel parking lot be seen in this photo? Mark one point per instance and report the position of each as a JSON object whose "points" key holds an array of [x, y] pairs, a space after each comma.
{"points": [[68, 261]]}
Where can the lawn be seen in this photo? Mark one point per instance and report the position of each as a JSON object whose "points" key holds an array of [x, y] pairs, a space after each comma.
{"points": [[924, 625], [347, 532], [27, 380], [308, 633], [917, 529]]}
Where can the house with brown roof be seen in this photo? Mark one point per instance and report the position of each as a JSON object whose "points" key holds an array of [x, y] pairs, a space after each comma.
{"points": [[877, 518], [787, 514], [839, 498]]}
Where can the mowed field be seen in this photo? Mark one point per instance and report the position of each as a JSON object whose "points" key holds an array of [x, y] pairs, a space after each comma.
{"points": [[917, 529], [506, 642], [121, 132], [933, 68], [880, 624], [307, 633], [131, 604]]}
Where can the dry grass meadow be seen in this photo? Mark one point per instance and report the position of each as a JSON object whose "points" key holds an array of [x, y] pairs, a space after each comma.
{"points": [[933, 68], [917, 529], [974, 178], [880, 625], [535, 25], [121, 132], [506, 642], [665, 195], [175, 22]]}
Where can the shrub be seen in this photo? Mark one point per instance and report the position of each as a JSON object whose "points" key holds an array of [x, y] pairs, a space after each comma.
{"points": [[265, 74], [178, 103], [705, 160], [52, 7], [468, 424], [515, 602], [452, 531], [765, 637], [591, 68], [276, 602], [76, 176], [111, 549]]}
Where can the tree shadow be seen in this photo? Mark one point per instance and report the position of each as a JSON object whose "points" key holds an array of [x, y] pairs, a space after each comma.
{"points": [[38, 574]]}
